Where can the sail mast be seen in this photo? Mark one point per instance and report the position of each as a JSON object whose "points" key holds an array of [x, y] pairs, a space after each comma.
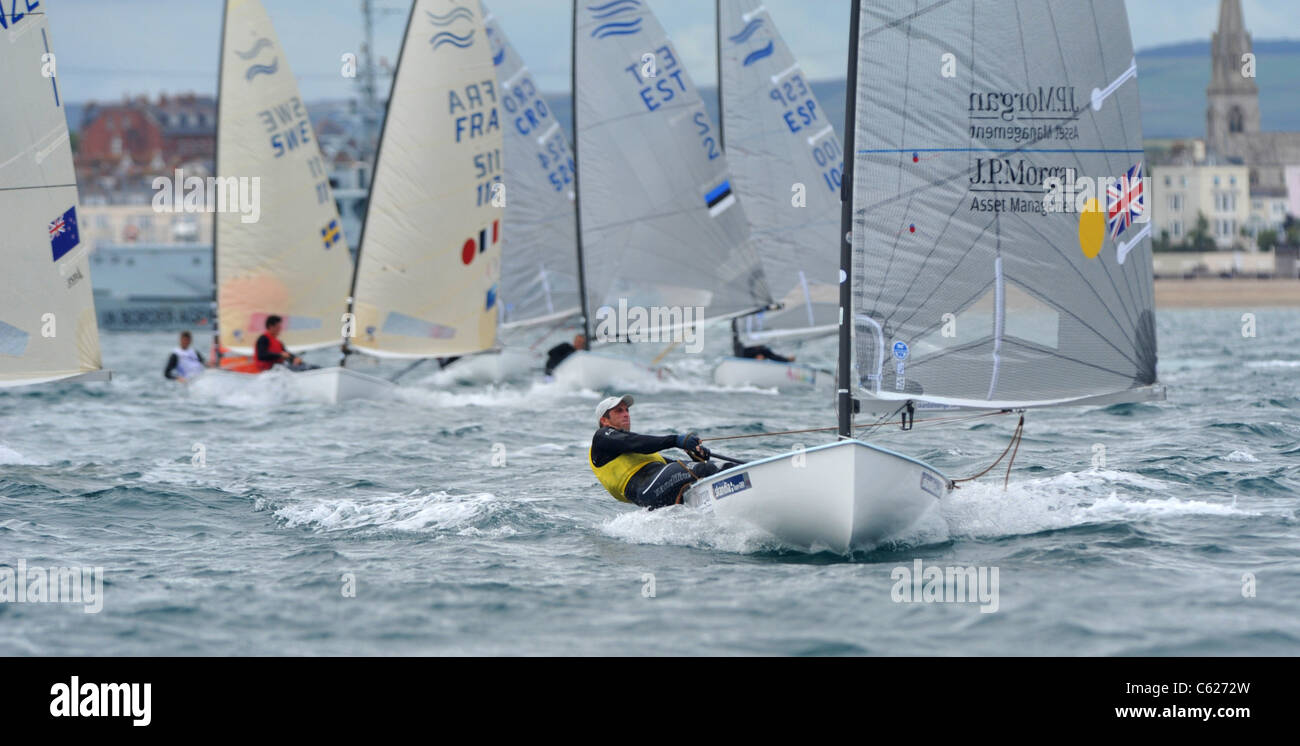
{"points": [[216, 160], [577, 193], [374, 171], [722, 113], [844, 393]]}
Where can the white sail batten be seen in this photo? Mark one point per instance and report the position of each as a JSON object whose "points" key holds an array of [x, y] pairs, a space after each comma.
{"points": [[429, 261], [48, 329], [971, 286], [787, 164], [292, 261], [539, 272], [661, 223]]}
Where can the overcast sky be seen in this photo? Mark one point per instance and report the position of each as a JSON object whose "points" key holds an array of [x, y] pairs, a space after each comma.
{"points": [[106, 49]]}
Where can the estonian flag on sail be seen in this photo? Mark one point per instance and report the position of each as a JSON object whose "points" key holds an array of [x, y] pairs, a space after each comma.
{"points": [[719, 198]]}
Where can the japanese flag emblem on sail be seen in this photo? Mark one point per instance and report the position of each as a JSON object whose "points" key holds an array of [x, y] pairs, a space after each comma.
{"points": [[1124, 202], [475, 246]]}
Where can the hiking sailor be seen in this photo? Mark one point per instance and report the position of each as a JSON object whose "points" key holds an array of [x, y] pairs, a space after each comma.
{"points": [[629, 465], [185, 362], [270, 351]]}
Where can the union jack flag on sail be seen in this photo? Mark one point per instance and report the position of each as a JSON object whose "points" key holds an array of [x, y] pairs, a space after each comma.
{"points": [[1124, 201]]}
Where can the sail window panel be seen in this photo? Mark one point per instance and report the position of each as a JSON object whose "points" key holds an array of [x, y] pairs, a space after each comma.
{"points": [[1030, 319]]}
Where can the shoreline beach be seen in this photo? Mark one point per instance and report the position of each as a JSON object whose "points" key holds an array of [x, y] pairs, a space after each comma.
{"points": [[1224, 293]]}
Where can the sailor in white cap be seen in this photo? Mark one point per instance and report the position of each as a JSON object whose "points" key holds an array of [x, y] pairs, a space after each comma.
{"points": [[629, 465]]}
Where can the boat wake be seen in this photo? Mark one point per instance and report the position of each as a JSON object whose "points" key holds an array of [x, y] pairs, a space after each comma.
{"points": [[979, 511], [682, 526], [1071, 499], [537, 396], [10, 457], [415, 512], [268, 389]]}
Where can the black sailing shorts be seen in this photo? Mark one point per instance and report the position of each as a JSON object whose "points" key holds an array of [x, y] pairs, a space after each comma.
{"points": [[656, 487]]}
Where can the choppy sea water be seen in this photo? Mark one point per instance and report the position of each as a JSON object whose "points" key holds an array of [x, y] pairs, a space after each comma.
{"points": [[451, 551]]}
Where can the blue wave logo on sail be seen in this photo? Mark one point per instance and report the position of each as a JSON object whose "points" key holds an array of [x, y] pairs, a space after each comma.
{"points": [[759, 54], [743, 35], [626, 28], [498, 47], [617, 7], [257, 70], [443, 38], [259, 45], [457, 14]]}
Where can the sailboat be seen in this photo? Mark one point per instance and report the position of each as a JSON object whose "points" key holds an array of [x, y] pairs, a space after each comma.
{"points": [[48, 327], [968, 286], [787, 164], [293, 260], [659, 224], [539, 283], [429, 261]]}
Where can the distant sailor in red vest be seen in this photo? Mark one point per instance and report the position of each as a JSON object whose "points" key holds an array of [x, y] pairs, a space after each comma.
{"points": [[270, 350]]}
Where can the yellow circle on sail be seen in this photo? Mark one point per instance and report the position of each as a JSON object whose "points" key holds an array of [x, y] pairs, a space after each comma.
{"points": [[1092, 228]]}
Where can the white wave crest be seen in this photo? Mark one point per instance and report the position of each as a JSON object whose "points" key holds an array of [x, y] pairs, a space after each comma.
{"points": [[409, 512]]}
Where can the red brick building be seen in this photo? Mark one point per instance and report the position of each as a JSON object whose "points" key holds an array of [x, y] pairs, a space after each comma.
{"points": [[124, 142]]}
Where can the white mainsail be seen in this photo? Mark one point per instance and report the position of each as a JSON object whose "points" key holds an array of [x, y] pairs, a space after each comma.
{"points": [[293, 261], [661, 225], [970, 287], [48, 329], [539, 274], [430, 254], [787, 165]]}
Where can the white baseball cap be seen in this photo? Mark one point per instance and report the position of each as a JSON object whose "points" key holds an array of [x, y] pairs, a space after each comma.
{"points": [[607, 404]]}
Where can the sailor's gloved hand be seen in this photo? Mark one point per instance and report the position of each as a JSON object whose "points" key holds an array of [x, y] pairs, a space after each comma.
{"points": [[688, 442], [700, 454]]}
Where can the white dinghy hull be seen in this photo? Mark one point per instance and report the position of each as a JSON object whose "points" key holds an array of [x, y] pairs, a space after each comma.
{"points": [[842, 497], [493, 366], [592, 370], [737, 371], [327, 385]]}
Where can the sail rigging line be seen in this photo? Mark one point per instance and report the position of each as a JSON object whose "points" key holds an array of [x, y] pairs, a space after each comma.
{"points": [[1013, 447], [672, 346], [938, 285], [566, 320], [878, 423]]}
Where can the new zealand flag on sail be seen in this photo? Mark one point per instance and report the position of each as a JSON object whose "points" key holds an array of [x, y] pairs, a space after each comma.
{"points": [[63, 233]]}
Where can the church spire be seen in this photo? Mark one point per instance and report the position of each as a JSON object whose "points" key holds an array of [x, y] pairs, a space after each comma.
{"points": [[1230, 16], [1233, 112], [1228, 45]]}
